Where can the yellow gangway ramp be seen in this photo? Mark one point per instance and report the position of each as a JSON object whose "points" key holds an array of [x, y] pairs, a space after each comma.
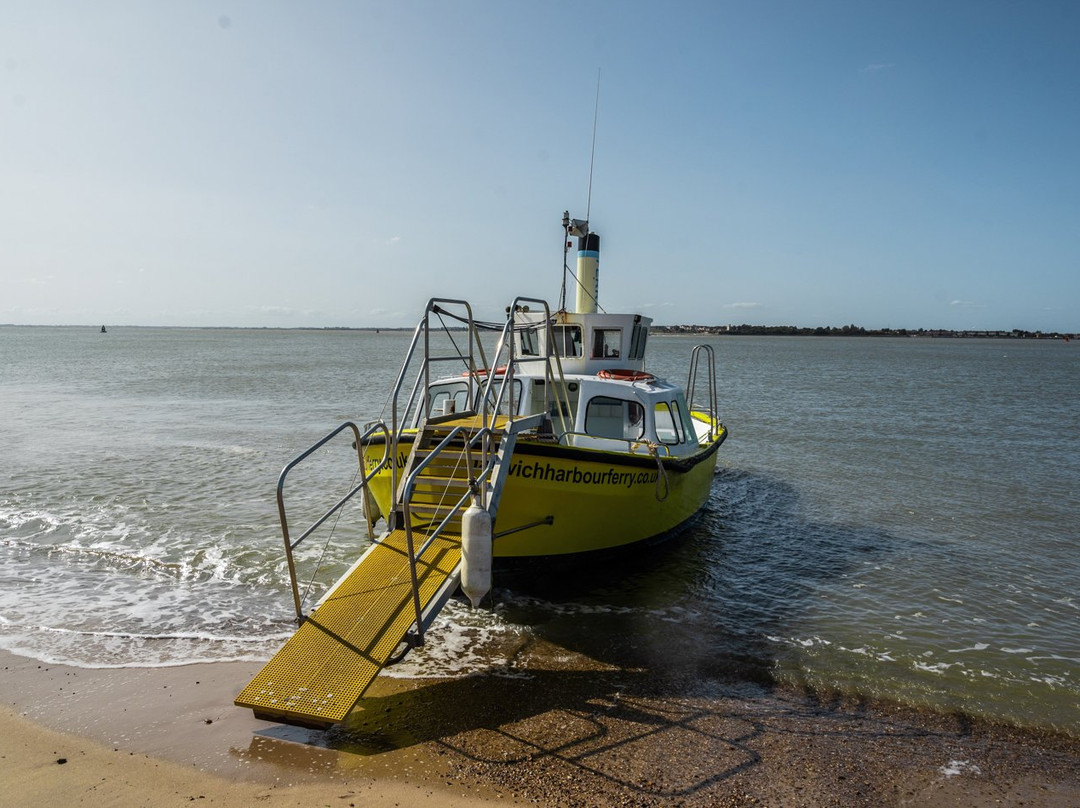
{"points": [[327, 665]]}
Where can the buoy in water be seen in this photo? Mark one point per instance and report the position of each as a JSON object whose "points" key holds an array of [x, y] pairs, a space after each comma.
{"points": [[475, 553]]}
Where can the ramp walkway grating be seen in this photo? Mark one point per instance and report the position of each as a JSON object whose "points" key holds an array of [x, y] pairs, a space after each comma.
{"points": [[321, 672]]}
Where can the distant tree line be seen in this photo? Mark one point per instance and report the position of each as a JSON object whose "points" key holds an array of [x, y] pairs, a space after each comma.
{"points": [[853, 331]]}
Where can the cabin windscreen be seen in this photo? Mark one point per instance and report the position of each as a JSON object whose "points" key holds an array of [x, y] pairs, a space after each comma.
{"points": [[670, 428], [504, 405], [448, 398], [607, 417], [688, 423]]}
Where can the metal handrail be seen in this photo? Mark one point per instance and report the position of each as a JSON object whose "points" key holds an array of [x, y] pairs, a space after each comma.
{"points": [[406, 497], [423, 376], [691, 385], [486, 406], [292, 545], [506, 344], [410, 484]]}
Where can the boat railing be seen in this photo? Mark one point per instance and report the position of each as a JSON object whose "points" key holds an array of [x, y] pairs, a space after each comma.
{"points": [[400, 410], [481, 438], [360, 440], [710, 385], [492, 383], [506, 356], [466, 439], [496, 391]]}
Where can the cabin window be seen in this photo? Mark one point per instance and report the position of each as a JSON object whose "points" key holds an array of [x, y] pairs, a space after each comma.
{"points": [[669, 423], [606, 343], [688, 423], [567, 339], [448, 398], [637, 341], [504, 405], [528, 344], [614, 418], [680, 421]]}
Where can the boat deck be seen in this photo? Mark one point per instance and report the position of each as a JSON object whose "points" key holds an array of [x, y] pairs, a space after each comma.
{"points": [[470, 421], [327, 665]]}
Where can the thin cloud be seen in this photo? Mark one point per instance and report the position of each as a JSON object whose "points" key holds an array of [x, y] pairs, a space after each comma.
{"points": [[741, 306], [284, 311], [390, 314], [966, 304], [39, 280]]}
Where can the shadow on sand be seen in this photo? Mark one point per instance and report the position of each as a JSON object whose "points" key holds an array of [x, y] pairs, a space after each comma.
{"points": [[681, 694]]}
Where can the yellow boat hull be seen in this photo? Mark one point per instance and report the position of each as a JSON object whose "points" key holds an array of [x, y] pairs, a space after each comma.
{"points": [[595, 500]]}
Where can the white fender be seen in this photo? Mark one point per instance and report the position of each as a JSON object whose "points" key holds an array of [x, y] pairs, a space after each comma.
{"points": [[475, 553]]}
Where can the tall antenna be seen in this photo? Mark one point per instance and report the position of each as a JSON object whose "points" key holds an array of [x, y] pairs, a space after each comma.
{"points": [[592, 153]]}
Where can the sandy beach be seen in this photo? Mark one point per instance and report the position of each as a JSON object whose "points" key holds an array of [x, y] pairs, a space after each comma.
{"points": [[164, 736]]}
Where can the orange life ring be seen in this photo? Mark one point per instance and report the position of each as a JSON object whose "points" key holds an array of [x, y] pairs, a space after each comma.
{"points": [[625, 375], [499, 371]]}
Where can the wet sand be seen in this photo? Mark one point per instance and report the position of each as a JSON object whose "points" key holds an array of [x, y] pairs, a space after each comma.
{"points": [[605, 737]]}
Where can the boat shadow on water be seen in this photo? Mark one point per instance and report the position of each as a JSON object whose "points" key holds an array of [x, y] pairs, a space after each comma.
{"points": [[707, 605]]}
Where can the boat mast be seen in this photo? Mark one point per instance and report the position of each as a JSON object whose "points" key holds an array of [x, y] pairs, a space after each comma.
{"points": [[588, 263]]}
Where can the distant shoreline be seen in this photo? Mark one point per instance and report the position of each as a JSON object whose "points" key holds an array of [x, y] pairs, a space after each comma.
{"points": [[854, 331], [664, 330]]}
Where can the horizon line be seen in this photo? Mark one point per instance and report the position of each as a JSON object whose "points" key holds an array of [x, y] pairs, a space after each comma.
{"points": [[731, 329]]}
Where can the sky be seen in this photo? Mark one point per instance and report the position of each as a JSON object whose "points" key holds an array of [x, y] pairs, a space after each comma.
{"points": [[285, 164]]}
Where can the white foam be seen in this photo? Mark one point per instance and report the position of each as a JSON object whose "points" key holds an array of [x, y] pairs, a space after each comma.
{"points": [[120, 650], [179, 635], [462, 642], [950, 600], [938, 668], [1055, 657], [802, 642], [979, 646], [957, 767]]}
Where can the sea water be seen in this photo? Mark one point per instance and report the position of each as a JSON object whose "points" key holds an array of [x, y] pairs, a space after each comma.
{"points": [[896, 518]]}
